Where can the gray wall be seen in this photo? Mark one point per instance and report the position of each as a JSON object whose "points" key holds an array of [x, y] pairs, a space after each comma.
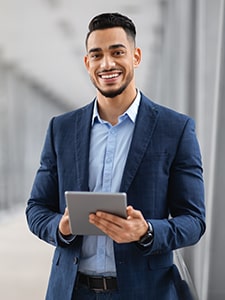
{"points": [[25, 110], [191, 78]]}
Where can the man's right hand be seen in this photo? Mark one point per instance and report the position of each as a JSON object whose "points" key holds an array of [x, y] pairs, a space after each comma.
{"points": [[64, 226]]}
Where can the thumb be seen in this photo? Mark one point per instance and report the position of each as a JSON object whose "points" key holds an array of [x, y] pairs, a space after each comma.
{"points": [[132, 213], [66, 212]]}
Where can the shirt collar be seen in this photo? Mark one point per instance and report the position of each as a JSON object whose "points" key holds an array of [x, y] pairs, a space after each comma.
{"points": [[131, 112]]}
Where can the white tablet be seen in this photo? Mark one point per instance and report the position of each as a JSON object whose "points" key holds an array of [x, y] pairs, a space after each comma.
{"points": [[81, 204]]}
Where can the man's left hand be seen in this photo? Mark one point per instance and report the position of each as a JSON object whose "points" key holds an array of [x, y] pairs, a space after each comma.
{"points": [[119, 229]]}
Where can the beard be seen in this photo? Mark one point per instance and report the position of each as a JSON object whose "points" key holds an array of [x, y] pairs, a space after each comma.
{"points": [[113, 93]]}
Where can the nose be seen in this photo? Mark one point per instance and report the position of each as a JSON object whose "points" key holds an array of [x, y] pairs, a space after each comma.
{"points": [[107, 62]]}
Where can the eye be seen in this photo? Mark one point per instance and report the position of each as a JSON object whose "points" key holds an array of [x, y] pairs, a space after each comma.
{"points": [[95, 56], [119, 53]]}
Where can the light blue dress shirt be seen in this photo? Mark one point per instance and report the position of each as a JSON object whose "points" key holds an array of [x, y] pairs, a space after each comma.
{"points": [[109, 146]]}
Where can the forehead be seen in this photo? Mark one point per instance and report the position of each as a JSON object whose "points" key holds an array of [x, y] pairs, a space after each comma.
{"points": [[105, 38]]}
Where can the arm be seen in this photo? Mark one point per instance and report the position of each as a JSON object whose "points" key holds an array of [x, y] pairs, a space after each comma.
{"points": [[185, 197], [44, 211]]}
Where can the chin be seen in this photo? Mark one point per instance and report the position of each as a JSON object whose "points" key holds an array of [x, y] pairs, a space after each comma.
{"points": [[112, 93]]}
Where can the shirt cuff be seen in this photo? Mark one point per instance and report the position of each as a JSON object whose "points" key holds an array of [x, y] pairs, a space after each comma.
{"points": [[66, 238]]}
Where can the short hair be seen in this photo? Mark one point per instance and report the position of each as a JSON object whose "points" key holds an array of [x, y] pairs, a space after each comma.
{"points": [[110, 20]]}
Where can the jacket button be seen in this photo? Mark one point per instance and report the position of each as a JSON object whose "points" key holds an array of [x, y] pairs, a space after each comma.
{"points": [[75, 260]]}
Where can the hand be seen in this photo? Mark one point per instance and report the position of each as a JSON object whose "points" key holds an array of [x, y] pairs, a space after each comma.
{"points": [[64, 226], [119, 229]]}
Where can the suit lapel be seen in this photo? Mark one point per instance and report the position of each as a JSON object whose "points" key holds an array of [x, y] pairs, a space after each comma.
{"points": [[144, 128], [82, 145]]}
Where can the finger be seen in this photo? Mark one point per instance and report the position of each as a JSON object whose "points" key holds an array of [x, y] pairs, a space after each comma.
{"points": [[66, 212], [110, 217], [110, 229], [104, 220], [133, 213]]}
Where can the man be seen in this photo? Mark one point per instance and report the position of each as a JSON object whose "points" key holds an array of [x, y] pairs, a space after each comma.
{"points": [[121, 142]]}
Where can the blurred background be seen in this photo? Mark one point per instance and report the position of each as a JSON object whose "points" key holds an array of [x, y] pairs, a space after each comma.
{"points": [[42, 74]]}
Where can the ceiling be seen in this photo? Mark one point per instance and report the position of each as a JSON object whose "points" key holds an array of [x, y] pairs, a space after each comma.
{"points": [[44, 40]]}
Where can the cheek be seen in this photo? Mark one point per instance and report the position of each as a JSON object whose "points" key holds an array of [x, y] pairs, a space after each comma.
{"points": [[91, 68]]}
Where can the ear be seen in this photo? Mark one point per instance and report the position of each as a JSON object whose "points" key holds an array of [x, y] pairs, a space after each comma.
{"points": [[86, 62], [137, 57]]}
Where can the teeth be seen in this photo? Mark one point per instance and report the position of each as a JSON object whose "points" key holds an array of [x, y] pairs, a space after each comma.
{"points": [[109, 76]]}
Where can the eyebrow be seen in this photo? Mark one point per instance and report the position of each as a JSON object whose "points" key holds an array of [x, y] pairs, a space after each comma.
{"points": [[110, 48]]}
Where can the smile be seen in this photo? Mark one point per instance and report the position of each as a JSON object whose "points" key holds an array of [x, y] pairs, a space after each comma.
{"points": [[107, 75], [110, 76]]}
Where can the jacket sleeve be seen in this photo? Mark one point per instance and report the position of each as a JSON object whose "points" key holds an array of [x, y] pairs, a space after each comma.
{"points": [[43, 211], [186, 223]]}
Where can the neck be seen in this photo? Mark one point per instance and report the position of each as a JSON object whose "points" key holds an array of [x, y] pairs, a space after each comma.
{"points": [[111, 108]]}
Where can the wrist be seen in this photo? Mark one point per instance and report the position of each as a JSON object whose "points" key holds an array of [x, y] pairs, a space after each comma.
{"points": [[147, 239], [66, 238]]}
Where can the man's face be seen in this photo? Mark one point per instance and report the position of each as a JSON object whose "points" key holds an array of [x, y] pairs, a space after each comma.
{"points": [[110, 60]]}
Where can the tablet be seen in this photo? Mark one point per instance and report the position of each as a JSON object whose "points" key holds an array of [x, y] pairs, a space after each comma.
{"points": [[81, 204]]}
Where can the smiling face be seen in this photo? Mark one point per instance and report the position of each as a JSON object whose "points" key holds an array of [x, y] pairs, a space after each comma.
{"points": [[110, 61]]}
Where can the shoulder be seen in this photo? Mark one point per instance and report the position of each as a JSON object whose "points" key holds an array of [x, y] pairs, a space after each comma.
{"points": [[165, 116], [70, 117], [163, 111]]}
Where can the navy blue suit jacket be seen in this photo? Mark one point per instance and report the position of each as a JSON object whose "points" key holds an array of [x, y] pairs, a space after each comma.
{"points": [[162, 178]]}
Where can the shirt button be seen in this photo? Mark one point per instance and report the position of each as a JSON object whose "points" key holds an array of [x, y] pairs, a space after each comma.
{"points": [[75, 260]]}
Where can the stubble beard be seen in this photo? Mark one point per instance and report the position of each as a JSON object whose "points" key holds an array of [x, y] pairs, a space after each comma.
{"points": [[112, 94]]}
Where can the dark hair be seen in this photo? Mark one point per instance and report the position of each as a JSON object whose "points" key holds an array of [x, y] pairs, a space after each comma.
{"points": [[110, 20]]}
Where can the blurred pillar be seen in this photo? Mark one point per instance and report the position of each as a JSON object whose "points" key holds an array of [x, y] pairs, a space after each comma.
{"points": [[214, 282], [25, 110], [191, 80]]}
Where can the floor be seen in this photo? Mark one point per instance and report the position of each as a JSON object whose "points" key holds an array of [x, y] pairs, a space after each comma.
{"points": [[25, 260]]}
